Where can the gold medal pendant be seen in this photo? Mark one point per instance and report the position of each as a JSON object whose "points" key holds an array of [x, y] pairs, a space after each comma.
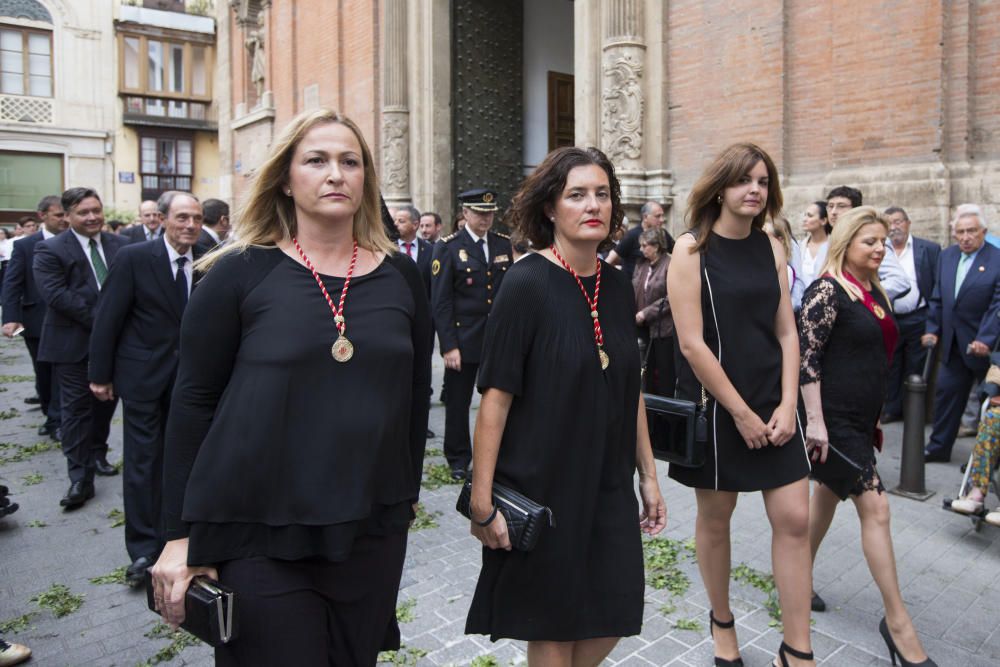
{"points": [[342, 349], [605, 359], [877, 309]]}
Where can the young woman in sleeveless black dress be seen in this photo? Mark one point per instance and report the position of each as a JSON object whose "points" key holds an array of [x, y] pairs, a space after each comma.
{"points": [[733, 320], [562, 421], [847, 337]]}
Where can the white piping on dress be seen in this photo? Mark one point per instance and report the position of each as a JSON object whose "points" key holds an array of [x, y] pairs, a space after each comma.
{"points": [[803, 434], [715, 406]]}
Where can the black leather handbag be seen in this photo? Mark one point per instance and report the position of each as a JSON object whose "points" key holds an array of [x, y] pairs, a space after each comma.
{"points": [[209, 610], [526, 520], [678, 429]]}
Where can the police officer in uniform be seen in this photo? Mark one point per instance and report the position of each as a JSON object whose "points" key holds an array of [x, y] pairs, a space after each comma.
{"points": [[466, 271]]}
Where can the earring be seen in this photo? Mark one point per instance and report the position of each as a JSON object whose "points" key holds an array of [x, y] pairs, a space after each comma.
{"points": [[718, 199], [288, 192]]}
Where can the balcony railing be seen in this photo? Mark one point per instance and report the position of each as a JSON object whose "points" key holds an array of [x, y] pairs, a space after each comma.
{"points": [[26, 109], [166, 112]]}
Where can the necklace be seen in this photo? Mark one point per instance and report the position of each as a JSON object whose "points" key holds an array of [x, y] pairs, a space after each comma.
{"points": [[598, 336], [342, 349]]}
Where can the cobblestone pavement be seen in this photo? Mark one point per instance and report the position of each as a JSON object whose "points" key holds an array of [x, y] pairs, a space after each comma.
{"points": [[948, 571]]}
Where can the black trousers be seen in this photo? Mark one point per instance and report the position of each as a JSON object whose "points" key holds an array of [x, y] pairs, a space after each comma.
{"points": [[907, 360], [142, 474], [954, 382], [457, 443], [86, 421], [314, 612], [45, 385]]}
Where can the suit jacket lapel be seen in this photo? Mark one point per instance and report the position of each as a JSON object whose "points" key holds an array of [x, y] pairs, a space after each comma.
{"points": [[974, 274], [475, 252], [164, 273], [76, 251]]}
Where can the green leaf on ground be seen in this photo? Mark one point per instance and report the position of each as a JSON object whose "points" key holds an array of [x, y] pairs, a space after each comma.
{"points": [[433, 451], [25, 452], [437, 475], [763, 582], [59, 600], [687, 624], [484, 661], [15, 625], [662, 556], [116, 576], [36, 523], [117, 517], [404, 611], [668, 609], [118, 465], [404, 656], [179, 640], [9, 414], [6, 379], [424, 519], [32, 478]]}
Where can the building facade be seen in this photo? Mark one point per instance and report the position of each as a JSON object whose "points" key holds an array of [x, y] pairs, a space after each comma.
{"points": [[899, 99], [55, 85]]}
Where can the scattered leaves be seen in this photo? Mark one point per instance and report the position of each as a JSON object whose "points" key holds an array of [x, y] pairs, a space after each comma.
{"points": [[484, 661], [36, 523], [763, 582], [668, 609], [116, 576], [433, 451], [437, 475], [117, 517], [404, 611], [32, 478], [662, 556], [5, 379], [15, 625], [9, 414], [25, 452], [179, 641], [404, 656], [59, 600], [687, 624], [424, 519]]}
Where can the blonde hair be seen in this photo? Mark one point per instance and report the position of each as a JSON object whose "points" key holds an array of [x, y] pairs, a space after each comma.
{"points": [[781, 229], [267, 215], [843, 234]]}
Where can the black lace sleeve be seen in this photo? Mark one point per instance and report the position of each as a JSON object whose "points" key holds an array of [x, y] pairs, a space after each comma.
{"points": [[819, 312]]}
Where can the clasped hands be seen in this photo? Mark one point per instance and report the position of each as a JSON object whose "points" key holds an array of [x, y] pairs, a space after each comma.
{"points": [[778, 430]]}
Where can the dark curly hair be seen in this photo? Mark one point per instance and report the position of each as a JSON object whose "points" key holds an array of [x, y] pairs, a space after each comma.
{"points": [[545, 185]]}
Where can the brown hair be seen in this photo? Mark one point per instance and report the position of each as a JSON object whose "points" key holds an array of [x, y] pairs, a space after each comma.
{"points": [[546, 183], [267, 215], [731, 164]]}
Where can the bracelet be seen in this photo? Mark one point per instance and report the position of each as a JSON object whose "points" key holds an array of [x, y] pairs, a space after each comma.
{"points": [[489, 519]]}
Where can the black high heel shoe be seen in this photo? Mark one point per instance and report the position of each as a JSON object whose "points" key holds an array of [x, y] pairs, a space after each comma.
{"points": [[785, 648], [894, 653], [712, 622]]}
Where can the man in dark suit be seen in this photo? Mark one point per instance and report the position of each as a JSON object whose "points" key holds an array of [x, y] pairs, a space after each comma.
{"points": [[69, 271], [919, 260], [215, 225], [151, 227], [133, 354], [466, 272], [419, 250], [23, 308], [963, 318]]}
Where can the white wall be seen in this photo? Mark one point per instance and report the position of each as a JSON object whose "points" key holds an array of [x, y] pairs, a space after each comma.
{"points": [[548, 46]]}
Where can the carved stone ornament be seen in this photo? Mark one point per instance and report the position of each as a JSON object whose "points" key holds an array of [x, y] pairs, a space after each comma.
{"points": [[395, 153], [247, 11], [621, 121]]}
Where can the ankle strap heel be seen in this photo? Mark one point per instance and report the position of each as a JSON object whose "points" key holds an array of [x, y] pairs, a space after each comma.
{"points": [[712, 623], [801, 655]]}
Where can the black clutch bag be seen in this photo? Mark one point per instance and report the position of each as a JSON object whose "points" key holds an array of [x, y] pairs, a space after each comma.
{"points": [[209, 610], [678, 429], [526, 520]]}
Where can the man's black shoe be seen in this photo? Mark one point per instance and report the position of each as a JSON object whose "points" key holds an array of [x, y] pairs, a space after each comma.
{"points": [[78, 494], [817, 604], [103, 468], [43, 430], [459, 473], [430, 433], [8, 507], [135, 575], [936, 457], [33, 400]]}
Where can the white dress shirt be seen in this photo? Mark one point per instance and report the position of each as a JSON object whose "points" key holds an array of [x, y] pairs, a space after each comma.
{"points": [[173, 255], [912, 300], [211, 232], [85, 244], [414, 248], [486, 244]]}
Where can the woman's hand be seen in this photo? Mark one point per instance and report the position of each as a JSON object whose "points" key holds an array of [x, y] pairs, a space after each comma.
{"points": [[752, 428], [640, 318], [781, 426], [493, 535], [171, 578], [653, 517], [817, 441]]}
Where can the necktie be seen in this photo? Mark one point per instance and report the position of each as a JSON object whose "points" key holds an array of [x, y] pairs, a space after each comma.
{"points": [[482, 248], [409, 248], [100, 268], [963, 270], [180, 281]]}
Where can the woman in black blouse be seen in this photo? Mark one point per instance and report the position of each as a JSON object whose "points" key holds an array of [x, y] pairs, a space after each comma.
{"points": [[562, 421], [295, 439], [847, 336]]}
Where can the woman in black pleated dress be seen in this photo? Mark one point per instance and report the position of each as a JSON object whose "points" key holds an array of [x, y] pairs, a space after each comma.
{"points": [[848, 334], [561, 421], [728, 287]]}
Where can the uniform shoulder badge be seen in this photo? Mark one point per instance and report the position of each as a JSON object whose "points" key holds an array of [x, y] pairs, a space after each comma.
{"points": [[450, 237], [501, 235]]}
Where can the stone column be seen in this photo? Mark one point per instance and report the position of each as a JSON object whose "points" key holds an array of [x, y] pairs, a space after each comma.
{"points": [[622, 96], [395, 106]]}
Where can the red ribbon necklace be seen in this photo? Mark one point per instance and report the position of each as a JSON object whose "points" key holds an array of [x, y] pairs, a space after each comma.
{"points": [[598, 336], [342, 349]]}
